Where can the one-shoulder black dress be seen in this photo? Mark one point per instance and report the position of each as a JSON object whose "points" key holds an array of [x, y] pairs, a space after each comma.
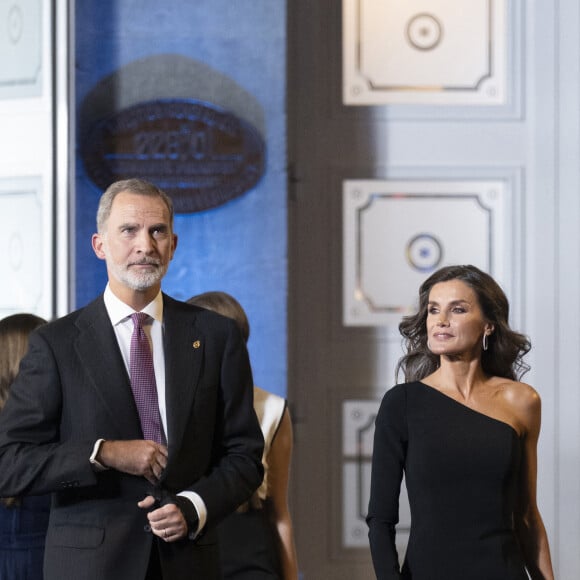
{"points": [[461, 470]]}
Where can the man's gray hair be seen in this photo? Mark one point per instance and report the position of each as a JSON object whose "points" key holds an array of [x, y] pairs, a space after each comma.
{"points": [[136, 186]]}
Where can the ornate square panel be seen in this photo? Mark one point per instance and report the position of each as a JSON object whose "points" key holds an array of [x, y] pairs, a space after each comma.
{"points": [[20, 48], [396, 233], [26, 283], [358, 428], [424, 51]]}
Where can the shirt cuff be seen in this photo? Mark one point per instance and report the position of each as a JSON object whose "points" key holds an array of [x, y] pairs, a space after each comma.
{"points": [[199, 506], [97, 466]]}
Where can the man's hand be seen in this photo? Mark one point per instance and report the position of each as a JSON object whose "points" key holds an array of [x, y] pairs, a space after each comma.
{"points": [[167, 522], [138, 457]]}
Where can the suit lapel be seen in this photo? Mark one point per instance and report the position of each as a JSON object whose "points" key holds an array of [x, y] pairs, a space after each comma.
{"points": [[99, 355], [184, 345]]}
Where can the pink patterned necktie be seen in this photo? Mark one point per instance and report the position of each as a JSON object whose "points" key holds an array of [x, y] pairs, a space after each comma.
{"points": [[143, 382]]}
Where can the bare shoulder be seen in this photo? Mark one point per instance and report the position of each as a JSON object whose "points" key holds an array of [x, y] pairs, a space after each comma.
{"points": [[521, 394], [524, 401]]}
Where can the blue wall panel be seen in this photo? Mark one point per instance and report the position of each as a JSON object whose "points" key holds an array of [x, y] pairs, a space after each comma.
{"points": [[239, 247]]}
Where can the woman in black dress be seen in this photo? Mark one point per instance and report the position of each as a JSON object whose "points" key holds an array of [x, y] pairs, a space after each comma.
{"points": [[23, 521], [463, 430]]}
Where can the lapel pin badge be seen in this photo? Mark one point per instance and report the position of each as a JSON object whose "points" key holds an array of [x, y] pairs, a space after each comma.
{"points": [[196, 343]]}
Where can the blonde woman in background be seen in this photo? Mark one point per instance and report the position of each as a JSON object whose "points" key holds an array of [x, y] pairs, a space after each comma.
{"points": [[257, 541], [23, 521]]}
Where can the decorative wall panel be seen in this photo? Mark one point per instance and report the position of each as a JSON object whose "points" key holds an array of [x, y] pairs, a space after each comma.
{"points": [[24, 285], [396, 233], [20, 48], [358, 428], [357, 444], [424, 52]]}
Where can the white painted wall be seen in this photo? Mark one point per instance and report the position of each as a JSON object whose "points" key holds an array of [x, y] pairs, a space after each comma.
{"points": [[534, 143]]}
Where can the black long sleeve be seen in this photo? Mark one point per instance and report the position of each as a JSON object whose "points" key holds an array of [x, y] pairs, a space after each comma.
{"points": [[389, 451]]}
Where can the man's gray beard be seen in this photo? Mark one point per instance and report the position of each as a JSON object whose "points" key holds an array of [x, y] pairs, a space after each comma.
{"points": [[144, 280]]}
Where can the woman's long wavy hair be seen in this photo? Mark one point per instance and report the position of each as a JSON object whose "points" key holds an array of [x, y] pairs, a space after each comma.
{"points": [[504, 356]]}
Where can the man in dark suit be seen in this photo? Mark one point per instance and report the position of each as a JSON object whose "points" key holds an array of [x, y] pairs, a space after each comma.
{"points": [[126, 507]]}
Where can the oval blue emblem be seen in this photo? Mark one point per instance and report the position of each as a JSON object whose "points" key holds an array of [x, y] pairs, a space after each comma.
{"points": [[199, 154]]}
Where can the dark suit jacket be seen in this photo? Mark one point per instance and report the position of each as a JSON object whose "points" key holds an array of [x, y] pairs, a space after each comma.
{"points": [[73, 389]]}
